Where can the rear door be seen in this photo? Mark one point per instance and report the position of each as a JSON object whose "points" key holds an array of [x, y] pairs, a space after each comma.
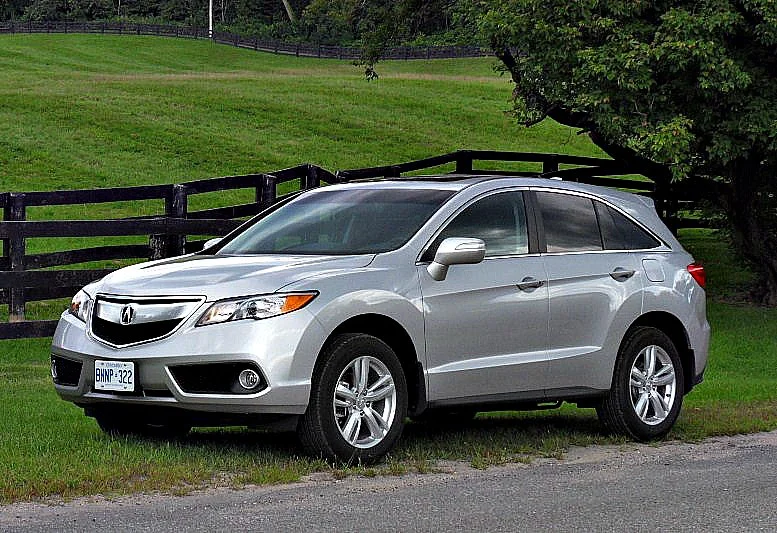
{"points": [[487, 324], [594, 293]]}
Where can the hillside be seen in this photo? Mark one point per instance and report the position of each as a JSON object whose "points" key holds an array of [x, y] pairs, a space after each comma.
{"points": [[79, 111]]}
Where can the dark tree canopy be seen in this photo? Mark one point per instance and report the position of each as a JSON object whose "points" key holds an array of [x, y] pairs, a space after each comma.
{"points": [[691, 85]]}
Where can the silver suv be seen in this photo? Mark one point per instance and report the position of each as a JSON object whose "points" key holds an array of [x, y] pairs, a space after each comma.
{"points": [[351, 307]]}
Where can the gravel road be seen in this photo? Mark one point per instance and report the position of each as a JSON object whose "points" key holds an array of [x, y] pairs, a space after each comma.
{"points": [[723, 484]]}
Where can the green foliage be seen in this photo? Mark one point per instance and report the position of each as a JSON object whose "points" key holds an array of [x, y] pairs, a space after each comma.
{"points": [[378, 24], [12, 9], [689, 84], [56, 10]]}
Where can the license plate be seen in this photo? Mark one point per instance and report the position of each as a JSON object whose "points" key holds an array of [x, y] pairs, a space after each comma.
{"points": [[114, 375]]}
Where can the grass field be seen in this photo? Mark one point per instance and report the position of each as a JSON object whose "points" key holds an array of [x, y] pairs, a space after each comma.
{"points": [[86, 111]]}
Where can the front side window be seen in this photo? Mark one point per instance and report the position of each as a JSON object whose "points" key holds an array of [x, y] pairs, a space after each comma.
{"points": [[499, 220], [570, 223], [340, 222]]}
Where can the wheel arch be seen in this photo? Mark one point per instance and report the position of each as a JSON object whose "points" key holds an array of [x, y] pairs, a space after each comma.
{"points": [[673, 328], [399, 340]]}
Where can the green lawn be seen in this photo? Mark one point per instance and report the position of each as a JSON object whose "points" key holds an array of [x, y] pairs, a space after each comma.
{"points": [[87, 111]]}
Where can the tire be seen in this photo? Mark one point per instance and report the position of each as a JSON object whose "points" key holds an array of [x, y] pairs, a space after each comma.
{"points": [[645, 399], [114, 428], [344, 422]]}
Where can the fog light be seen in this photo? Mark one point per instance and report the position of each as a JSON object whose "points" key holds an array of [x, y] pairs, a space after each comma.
{"points": [[54, 374], [248, 379]]}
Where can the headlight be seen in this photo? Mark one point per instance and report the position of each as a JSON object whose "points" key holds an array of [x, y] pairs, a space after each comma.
{"points": [[256, 307], [80, 305]]}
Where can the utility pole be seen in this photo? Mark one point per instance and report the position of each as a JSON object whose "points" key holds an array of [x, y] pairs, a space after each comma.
{"points": [[210, 19]]}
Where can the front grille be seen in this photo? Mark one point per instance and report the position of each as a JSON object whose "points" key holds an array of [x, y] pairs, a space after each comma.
{"points": [[125, 321], [215, 378], [121, 335], [65, 371]]}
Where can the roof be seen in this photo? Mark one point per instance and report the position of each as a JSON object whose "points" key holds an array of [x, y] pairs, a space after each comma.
{"points": [[457, 182]]}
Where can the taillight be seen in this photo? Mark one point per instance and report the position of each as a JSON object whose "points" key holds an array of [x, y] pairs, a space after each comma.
{"points": [[697, 272]]}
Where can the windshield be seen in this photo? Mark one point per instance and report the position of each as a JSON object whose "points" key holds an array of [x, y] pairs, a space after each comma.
{"points": [[340, 222]]}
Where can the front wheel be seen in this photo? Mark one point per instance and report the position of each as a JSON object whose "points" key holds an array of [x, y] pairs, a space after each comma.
{"points": [[358, 401], [647, 389]]}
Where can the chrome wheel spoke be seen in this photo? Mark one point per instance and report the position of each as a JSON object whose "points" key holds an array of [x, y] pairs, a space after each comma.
{"points": [[650, 361], [659, 406], [641, 407], [352, 427], [665, 376], [362, 373], [375, 423], [374, 395], [344, 393], [342, 403], [637, 377]]}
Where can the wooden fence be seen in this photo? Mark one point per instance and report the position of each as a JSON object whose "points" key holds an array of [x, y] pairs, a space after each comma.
{"points": [[28, 277], [22, 279], [242, 41]]}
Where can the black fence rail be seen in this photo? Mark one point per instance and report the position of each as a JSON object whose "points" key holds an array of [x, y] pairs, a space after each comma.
{"points": [[672, 200], [23, 281], [241, 41], [24, 278]]}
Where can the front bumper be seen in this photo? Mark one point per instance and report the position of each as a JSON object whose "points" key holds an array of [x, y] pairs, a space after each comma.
{"points": [[283, 348]]}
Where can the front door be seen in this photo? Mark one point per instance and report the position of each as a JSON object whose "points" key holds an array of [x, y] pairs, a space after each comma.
{"points": [[487, 324]]}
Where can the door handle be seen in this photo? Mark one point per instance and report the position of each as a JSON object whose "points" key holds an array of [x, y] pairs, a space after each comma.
{"points": [[621, 274], [530, 283]]}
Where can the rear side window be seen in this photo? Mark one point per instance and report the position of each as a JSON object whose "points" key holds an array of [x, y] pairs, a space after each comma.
{"points": [[620, 233], [499, 219], [570, 223]]}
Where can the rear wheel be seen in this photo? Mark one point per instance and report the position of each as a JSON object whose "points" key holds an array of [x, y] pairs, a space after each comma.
{"points": [[647, 389], [358, 401]]}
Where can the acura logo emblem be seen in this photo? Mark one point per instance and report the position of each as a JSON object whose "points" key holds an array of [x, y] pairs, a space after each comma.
{"points": [[127, 314]]}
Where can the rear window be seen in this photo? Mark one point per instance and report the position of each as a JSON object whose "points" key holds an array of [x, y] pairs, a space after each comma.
{"points": [[621, 233], [570, 223]]}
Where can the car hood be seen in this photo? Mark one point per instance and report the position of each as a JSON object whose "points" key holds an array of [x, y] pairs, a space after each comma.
{"points": [[218, 277]]}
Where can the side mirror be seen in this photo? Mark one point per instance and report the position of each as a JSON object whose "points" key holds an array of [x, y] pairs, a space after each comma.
{"points": [[211, 242], [456, 251]]}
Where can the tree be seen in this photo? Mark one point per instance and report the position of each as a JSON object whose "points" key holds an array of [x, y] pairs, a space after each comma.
{"points": [[54, 10], [12, 9], [684, 90]]}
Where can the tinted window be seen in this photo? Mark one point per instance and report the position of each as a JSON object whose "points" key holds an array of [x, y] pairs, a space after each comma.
{"points": [[499, 219], [620, 233], [345, 221], [569, 222]]}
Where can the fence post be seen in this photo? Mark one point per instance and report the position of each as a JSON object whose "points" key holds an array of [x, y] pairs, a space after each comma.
{"points": [[660, 197], [463, 162], [176, 206], [311, 179], [267, 191], [15, 248], [550, 165]]}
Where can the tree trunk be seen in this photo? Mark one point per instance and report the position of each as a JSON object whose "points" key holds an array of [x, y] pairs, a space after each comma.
{"points": [[290, 11], [751, 207]]}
